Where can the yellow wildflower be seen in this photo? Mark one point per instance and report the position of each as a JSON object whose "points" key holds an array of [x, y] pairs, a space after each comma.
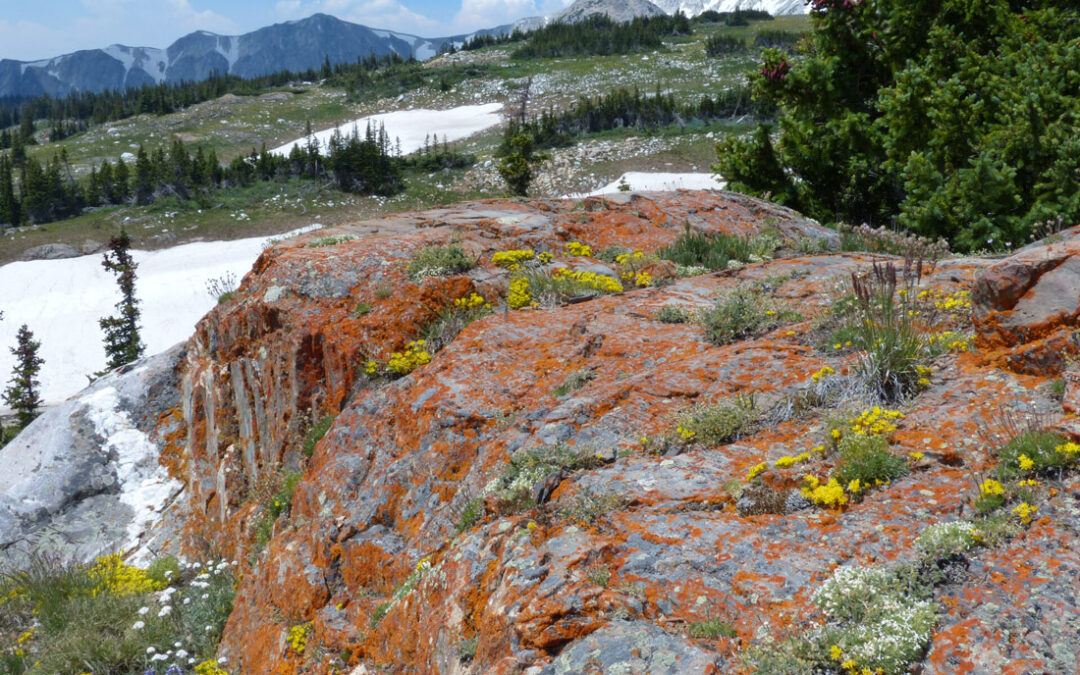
{"points": [[1025, 512], [991, 487], [756, 471], [1026, 463], [835, 653]]}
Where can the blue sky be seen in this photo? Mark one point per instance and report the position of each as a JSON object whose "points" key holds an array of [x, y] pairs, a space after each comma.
{"points": [[38, 29]]}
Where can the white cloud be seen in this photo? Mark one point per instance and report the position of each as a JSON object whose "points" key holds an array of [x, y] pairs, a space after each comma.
{"points": [[388, 14]]}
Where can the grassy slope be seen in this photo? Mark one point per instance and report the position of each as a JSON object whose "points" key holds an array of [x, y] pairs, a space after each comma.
{"points": [[234, 125]]}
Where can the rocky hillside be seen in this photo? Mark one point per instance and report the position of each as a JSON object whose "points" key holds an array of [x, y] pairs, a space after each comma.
{"points": [[581, 480], [616, 11]]}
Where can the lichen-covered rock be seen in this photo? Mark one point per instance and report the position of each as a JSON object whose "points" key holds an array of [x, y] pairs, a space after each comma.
{"points": [[1029, 303], [400, 547]]}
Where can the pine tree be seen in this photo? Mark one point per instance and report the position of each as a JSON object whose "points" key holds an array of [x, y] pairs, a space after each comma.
{"points": [[9, 205], [122, 343], [23, 392]]}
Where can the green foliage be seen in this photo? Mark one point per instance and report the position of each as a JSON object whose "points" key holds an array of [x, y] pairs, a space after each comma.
{"points": [[122, 342], [518, 166], [710, 629], [598, 34], [672, 314], [717, 250], [891, 242], [717, 424], [746, 312], [471, 514], [942, 541], [574, 381], [1057, 388], [163, 570], [23, 393], [323, 242], [361, 309], [599, 575], [278, 503], [589, 507], [315, 434], [867, 459], [437, 261], [1037, 445], [74, 618], [723, 45], [513, 489], [466, 649], [884, 326], [953, 119]]}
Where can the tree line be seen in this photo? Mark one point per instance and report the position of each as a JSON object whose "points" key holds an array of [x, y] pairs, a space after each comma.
{"points": [[362, 163], [630, 108], [600, 35]]}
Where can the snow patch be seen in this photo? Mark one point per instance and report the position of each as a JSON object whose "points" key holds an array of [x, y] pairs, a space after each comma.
{"points": [[145, 485], [122, 54], [411, 127], [62, 300], [229, 47], [640, 181]]}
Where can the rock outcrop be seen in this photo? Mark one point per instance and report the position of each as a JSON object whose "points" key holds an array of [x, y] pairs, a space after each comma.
{"points": [[85, 478], [400, 553], [399, 558]]}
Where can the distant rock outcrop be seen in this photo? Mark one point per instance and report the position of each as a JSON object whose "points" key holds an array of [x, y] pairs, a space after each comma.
{"points": [[695, 7], [620, 11]]}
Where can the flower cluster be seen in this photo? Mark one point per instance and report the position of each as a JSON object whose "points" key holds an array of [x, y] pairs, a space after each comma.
{"points": [[576, 248], [822, 374], [115, 577], [756, 471], [519, 295], [944, 540], [876, 421], [991, 488], [829, 495], [643, 280], [414, 356], [297, 637], [685, 433], [785, 462], [474, 301], [600, 282], [1070, 450], [512, 259], [1025, 512]]}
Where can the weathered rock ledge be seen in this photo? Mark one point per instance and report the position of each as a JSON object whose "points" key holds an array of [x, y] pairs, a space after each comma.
{"points": [[384, 491]]}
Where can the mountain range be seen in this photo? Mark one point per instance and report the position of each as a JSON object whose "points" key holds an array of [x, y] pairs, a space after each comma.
{"points": [[294, 45]]}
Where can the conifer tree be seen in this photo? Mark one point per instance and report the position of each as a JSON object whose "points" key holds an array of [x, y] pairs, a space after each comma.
{"points": [[23, 393], [122, 342], [9, 205]]}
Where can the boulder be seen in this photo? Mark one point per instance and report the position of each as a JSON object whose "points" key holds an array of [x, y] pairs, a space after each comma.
{"points": [[84, 478], [1027, 306]]}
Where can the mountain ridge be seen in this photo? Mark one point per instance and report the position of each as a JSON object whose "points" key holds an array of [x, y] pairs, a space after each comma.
{"points": [[292, 45]]}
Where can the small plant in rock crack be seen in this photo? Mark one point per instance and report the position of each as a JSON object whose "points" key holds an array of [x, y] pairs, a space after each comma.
{"points": [[718, 424], [710, 629], [587, 508], [719, 250], [315, 433], [599, 575], [746, 312], [275, 503], [672, 314], [438, 261], [514, 489], [574, 381], [886, 328], [323, 242], [453, 319], [222, 288]]}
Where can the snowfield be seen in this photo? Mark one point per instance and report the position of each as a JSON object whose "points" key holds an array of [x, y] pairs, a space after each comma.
{"points": [[62, 300], [411, 127], [640, 181]]}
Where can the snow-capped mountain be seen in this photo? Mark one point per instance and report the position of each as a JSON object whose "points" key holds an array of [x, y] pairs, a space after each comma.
{"points": [[695, 7], [294, 45], [616, 10]]}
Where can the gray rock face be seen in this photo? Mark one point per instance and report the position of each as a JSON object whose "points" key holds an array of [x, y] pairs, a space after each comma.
{"points": [[84, 478], [632, 648], [50, 252], [695, 7], [620, 11]]}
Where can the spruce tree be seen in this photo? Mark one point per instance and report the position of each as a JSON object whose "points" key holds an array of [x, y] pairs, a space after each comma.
{"points": [[122, 343], [23, 392]]}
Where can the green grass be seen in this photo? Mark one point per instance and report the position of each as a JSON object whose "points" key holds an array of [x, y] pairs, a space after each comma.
{"points": [[1037, 445], [722, 423], [743, 313], [439, 261], [86, 615], [574, 381], [717, 250], [867, 459], [315, 434], [710, 629]]}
